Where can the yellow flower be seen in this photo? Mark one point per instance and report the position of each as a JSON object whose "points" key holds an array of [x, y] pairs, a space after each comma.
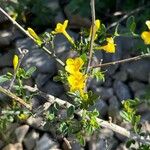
{"points": [[96, 27], [61, 28], [35, 36], [23, 116], [109, 47], [15, 61], [77, 82], [74, 65], [146, 34]]}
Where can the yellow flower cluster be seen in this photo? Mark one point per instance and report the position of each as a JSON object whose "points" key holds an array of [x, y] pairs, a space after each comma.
{"points": [[76, 79], [146, 34], [61, 28]]}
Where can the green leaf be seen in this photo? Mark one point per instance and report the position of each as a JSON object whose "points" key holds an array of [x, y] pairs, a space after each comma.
{"points": [[3, 79], [95, 113], [70, 111], [81, 139], [137, 118], [84, 57], [125, 116], [89, 129], [17, 87], [116, 30], [63, 128], [128, 144], [30, 71], [9, 75], [57, 78], [21, 73], [102, 29], [50, 116], [131, 25], [99, 75]]}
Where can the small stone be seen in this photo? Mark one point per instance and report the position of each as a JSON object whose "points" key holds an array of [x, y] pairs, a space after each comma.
{"points": [[121, 147], [31, 139], [114, 109], [46, 143], [105, 140], [142, 108], [16, 146], [5, 38], [42, 79], [128, 127], [122, 90], [36, 101], [36, 122], [53, 88], [76, 20], [36, 57], [1, 144], [149, 78], [106, 133], [62, 46], [143, 71], [108, 82], [93, 84], [21, 132], [140, 94], [6, 70], [106, 93], [74, 145], [101, 106], [53, 5], [4, 59], [122, 76], [145, 116], [59, 17], [136, 86], [145, 126]]}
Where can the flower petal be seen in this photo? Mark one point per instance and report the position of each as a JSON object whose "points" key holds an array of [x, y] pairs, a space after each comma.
{"points": [[73, 65], [15, 61], [65, 24], [148, 24], [146, 37]]}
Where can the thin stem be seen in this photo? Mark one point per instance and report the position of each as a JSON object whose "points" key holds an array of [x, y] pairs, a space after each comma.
{"points": [[126, 16], [92, 37], [16, 70], [121, 61], [26, 33], [16, 98]]}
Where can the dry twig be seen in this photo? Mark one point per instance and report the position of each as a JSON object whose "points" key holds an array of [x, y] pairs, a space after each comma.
{"points": [[92, 35], [121, 61], [15, 98], [26, 33], [127, 15], [103, 123]]}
